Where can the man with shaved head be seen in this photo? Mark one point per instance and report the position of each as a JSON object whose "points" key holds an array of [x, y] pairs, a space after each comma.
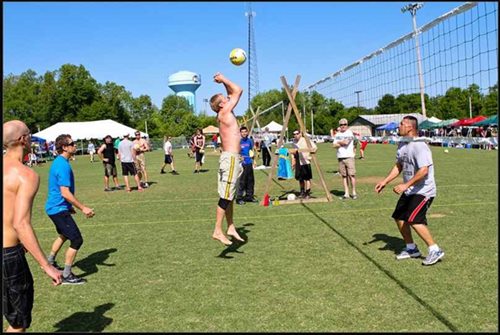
{"points": [[20, 185]]}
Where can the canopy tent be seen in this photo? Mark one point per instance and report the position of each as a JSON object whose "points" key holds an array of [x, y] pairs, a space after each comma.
{"points": [[433, 119], [427, 124], [37, 139], [487, 122], [468, 121], [444, 123], [274, 127], [210, 130], [87, 130], [388, 126]]}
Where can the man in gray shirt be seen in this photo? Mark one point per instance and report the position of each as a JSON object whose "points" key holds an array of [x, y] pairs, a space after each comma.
{"points": [[126, 154], [417, 191]]}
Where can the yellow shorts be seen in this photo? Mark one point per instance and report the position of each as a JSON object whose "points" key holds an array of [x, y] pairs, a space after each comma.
{"points": [[140, 163], [229, 172]]}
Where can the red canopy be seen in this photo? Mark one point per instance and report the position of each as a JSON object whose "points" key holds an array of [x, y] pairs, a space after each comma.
{"points": [[467, 121]]}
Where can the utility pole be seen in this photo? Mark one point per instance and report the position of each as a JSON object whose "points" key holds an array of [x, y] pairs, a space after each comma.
{"points": [[412, 8], [357, 92], [206, 103], [253, 73]]}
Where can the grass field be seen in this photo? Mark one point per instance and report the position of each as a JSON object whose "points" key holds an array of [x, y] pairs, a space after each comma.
{"points": [[322, 267]]}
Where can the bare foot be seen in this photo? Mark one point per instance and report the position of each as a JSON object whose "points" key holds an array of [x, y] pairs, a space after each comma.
{"points": [[223, 239], [232, 232], [129, 190], [140, 189]]}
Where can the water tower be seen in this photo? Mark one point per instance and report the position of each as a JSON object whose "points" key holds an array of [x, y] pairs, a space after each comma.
{"points": [[184, 84]]}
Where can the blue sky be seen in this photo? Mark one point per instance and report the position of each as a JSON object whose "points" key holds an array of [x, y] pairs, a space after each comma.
{"points": [[139, 44]]}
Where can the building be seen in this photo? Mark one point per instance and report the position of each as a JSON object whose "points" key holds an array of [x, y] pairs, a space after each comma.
{"points": [[366, 124]]}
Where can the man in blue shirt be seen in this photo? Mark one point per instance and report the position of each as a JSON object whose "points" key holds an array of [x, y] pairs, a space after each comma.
{"points": [[60, 205], [247, 181]]}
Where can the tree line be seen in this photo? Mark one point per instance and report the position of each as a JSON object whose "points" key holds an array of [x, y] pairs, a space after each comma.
{"points": [[72, 94]]}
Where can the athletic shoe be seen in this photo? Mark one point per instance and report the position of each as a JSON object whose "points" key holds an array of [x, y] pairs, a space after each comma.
{"points": [[354, 197], [175, 172], [251, 200], [73, 280], [408, 253], [145, 185], [344, 197], [433, 257], [106, 189], [162, 172], [57, 266], [240, 202]]}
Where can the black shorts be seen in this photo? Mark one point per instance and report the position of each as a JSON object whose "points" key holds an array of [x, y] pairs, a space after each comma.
{"points": [[17, 288], [168, 159], [199, 156], [128, 169], [303, 172], [66, 226], [109, 169], [412, 208]]}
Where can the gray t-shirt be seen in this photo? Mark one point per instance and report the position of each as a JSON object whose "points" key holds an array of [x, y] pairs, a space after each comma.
{"points": [[412, 156], [125, 150]]}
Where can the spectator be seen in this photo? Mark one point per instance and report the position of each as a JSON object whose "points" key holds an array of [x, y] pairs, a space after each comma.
{"points": [[141, 146], [169, 156], [199, 149], [343, 141], [91, 151], [302, 163], [246, 184], [107, 154], [265, 147], [126, 154]]}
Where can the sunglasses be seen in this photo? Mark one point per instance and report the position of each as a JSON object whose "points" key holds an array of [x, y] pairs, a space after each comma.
{"points": [[343, 124], [72, 144]]}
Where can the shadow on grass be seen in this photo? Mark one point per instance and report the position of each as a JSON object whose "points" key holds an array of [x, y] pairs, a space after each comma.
{"points": [[274, 180], [86, 321], [388, 273], [337, 193], [394, 244], [233, 248], [90, 263]]}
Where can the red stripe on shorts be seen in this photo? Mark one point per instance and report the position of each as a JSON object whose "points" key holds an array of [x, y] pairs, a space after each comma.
{"points": [[415, 212]]}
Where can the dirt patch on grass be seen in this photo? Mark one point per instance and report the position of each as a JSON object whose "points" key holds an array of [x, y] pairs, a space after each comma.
{"points": [[436, 215]]}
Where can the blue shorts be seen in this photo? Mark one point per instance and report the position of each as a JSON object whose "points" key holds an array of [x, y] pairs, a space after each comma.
{"points": [[17, 288], [66, 226]]}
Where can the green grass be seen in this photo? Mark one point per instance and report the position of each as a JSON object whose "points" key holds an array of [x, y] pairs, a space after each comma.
{"points": [[322, 267]]}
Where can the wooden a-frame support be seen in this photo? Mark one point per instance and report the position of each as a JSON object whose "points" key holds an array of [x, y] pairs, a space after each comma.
{"points": [[293, 106]]}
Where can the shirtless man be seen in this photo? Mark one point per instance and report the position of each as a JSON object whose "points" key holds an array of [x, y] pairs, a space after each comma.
{"points": [[229, 162], [20, 185]]}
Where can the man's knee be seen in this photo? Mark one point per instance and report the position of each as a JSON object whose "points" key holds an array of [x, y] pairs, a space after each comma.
{"points": [[76, 243], [224, 203]]}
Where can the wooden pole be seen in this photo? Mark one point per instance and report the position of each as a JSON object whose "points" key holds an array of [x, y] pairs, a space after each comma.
{"points": [[308, 141]]}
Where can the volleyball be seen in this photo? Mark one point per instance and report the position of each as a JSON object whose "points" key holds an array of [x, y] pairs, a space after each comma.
{"points": [[238, 56], [291, 196]]}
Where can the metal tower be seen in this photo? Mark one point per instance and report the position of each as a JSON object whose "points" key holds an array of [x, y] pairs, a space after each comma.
{"points": [[253, 74]]}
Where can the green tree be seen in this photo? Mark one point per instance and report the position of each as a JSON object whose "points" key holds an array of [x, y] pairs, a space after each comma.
{"points": [[75, 89], [387, 105], [490, 101]]}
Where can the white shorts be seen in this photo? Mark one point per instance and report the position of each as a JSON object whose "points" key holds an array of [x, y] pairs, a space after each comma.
{"points": [[230, 171]]}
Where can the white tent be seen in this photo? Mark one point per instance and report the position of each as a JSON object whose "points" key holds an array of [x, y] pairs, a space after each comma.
{"points": [[87, 130], [274, 127]]}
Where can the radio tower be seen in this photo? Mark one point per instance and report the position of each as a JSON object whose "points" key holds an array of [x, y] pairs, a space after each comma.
{"points": [[253, 74]]}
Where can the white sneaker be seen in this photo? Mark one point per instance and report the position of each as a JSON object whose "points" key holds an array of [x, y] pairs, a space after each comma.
{"points": [[433, 257], [408, 253]]}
